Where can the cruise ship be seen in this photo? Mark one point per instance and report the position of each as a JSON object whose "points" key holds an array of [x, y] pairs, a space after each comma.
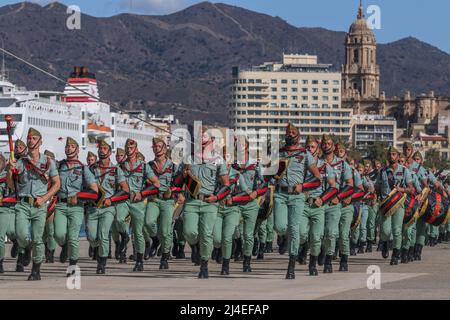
{"points": [[72, 113]]}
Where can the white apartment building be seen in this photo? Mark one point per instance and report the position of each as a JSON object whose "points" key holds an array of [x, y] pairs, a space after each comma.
{"points": [[297, 90], [370, 128]]}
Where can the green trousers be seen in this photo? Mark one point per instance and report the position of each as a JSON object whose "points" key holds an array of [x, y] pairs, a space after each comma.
{"points": [[371, 221], [312, 223], [68, 220], [198, 224], [224, 228], [249, 214], [239, 232], [345, 223], [49, 234], [115, 235], [269, 229], [261, 230], [360, 232], [434, 231], [393, 225], [162, 211], [287, 211], [121, 222], [137, 212], [409, 236], [26, 216], [7, 223], [331, 231], [99, 223]]}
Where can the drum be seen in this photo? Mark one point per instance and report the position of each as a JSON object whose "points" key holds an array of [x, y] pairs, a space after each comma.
{"points": [[437, 211], [392, 203], [424, 205], [356, 216], [411, 211]]}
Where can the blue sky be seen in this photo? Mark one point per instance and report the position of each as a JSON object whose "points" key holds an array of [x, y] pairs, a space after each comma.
{"points": [[427, 20]]}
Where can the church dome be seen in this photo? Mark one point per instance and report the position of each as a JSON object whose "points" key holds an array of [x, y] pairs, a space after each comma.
{"points": [[360, 26]]}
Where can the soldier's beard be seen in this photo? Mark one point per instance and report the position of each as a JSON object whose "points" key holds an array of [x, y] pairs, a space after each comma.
{"points": [[290, 141], [72, 155], [104, 156]]}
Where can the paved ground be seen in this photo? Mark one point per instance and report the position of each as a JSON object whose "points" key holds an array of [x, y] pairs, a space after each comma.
{"points": [[428, 279]]}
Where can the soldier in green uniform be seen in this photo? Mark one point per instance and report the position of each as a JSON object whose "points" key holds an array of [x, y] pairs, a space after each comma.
{"points": [[121, 226], [90, 160], [370, 176], [344, 177], [37, 182], [6, 212], [390, 177], [49, 230], [161, 207], [200, 210], [250, 178], [69, 212], [312, 218], [359, 234], [289, 200], [100, 217], [137, 175]]}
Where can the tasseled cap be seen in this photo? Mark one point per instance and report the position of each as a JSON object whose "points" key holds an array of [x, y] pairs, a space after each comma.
{"points": [[71, 141], [130, 142], [120, 151], [103, 143], [34, 133], [49, 154]]}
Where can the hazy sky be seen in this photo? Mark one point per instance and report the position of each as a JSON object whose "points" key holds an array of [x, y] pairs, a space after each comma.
{"points": [[426, 20]]}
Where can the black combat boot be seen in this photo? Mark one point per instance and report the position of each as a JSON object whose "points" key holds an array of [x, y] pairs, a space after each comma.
{"points": [[418, 252], [91, 252], [336, 251], [159, 252], [154, 247], [180, 254], [261, 250], [380, 246], [1, 266], [391, 244], [117, 250], [246, 267], [225, 267], [164, 262], [219, 256], [238, 249], [362, 246], [321, 257], [132, 256], [174, 249], [27, 256], [95, 253], [71, 271], [139, 264], [214, 253], [63, 254], [328, 266], [14, 248], [411, 254], [447, 238], [343, 265], [385, 249], [395, 257], [203, 274], [195, 255], [352, 248], [35, 272], [369, 246], [269, 248], [101, 265], [123, 247], [312, 266], [441, 237], [19, 264], [109, 246], [283, 245], [291, 267], [404, 256], [255, 247]]}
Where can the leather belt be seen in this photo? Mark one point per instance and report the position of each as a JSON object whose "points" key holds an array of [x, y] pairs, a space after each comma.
{"points": [[288, 190], [29, 200], [62, 200], [201, 197]]}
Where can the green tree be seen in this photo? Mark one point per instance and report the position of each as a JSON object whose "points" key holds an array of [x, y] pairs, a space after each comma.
{"points": [[378, 151], [433, 160]]}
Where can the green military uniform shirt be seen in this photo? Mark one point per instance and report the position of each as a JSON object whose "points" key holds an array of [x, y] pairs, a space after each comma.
{"points": [[73, 179], [208, 172], [388, 178], [30, 183], [327, 173], [165, 175], [3, 185], [357, 180], [109, 180], [250, 176], [137, 176], [299, 161], [342, 170]]}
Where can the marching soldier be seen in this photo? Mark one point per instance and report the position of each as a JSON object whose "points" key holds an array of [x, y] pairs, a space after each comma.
{"points": [[343, 175], [120, 227], [398, 177], [359, 233], [37, 182], [312, 218], [100, 218], [201, 206], [49, 230], [90, 160], [69, 211], [137, 175], [250, 178], [289, 201], [370, 176]]}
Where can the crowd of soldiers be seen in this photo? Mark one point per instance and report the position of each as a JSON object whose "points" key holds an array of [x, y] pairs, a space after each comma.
{"points": [[319, 201]]}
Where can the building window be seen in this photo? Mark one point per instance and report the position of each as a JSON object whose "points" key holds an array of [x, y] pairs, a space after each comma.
{"points": [[294, 90], [274, 89], [305, 81], [284, 81], [284, 89], [284, 97], [294, 81], [315, 82], [325, 81], [273, 97], [336, 82], [273, 81], [325, 90]]}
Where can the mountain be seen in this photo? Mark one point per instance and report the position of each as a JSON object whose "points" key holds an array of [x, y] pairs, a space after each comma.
{"points": [[181, 63]]}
